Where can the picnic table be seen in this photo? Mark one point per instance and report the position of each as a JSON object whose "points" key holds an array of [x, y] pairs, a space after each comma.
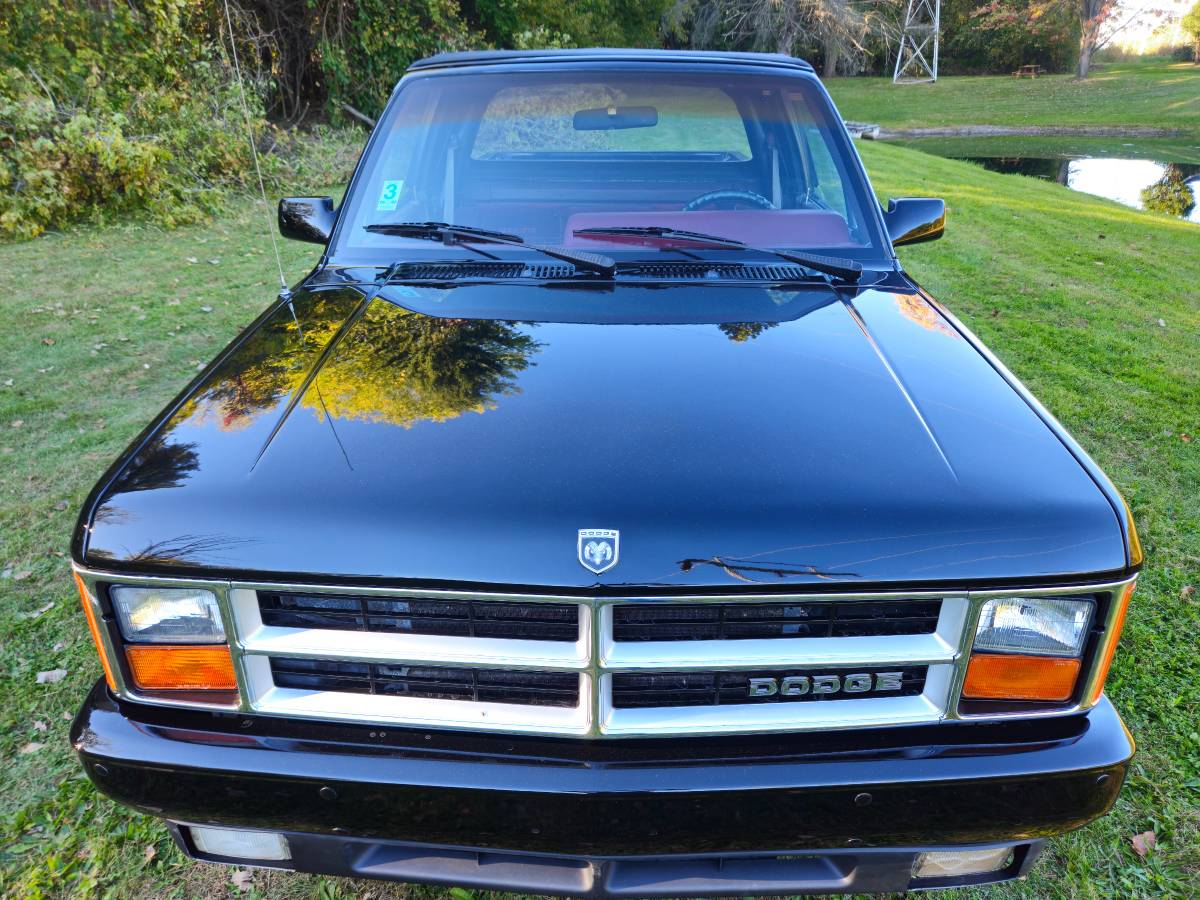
{"points": [[1029, 72]]}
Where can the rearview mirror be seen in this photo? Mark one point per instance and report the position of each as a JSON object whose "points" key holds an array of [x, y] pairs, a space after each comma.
{"points": [[308, 219], [911, 220], [606, 118]]}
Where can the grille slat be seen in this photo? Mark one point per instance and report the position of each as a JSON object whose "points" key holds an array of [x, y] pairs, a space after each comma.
{"points": [[744, 621], [673, 689], [429, 682], [452, 618]]}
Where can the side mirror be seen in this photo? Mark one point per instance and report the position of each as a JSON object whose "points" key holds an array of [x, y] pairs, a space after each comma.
{"points": [[308, 219], [911, 220]]}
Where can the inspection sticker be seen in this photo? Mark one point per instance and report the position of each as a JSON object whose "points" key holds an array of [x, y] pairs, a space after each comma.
{"points": [[389, 196]]}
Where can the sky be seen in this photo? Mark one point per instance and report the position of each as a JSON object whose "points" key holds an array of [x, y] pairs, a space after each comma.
{"points": [[1155, 24]]}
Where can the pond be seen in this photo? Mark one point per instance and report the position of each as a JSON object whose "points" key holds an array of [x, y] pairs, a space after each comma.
{"points": [[1163, 176]]}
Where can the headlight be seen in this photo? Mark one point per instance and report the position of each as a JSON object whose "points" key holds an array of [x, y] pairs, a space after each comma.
{"points": [[1044, 626], [1028, 648], [168, 615]]}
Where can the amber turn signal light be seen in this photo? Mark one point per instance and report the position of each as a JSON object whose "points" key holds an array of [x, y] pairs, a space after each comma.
{"points": [[1110, 644], [162, 667], [994, 676], [94, 627]]}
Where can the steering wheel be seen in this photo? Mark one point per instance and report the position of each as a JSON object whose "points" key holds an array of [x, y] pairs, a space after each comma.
{"points": [[732, 198]]}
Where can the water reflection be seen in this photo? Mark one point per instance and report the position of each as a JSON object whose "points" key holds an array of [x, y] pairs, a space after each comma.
{"points": [[1170, 188]]}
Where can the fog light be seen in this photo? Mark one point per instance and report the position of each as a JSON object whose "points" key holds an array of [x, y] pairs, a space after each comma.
{"points": [[953, 863], [240, 844]]}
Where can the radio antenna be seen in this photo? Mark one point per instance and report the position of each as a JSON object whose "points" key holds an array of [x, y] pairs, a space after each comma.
{"points": [[262, 190]]}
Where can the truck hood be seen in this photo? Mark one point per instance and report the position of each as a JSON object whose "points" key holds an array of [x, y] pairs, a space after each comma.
{"points": [[826, 441]]}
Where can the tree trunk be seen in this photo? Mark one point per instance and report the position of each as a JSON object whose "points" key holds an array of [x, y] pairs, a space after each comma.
{"points": [[1092, 16], [1085, 55], [833, 52]]}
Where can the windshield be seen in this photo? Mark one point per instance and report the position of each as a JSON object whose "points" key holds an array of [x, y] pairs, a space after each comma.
{"points": [[560, 157]]}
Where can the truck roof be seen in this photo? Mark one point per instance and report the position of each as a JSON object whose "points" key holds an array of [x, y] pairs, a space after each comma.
{"points": [[605, 55]]}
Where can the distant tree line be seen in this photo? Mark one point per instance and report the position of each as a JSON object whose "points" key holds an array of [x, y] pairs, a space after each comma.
{"points": [[108, 108]]}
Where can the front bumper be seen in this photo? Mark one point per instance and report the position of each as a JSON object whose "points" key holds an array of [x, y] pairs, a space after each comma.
{"points": [[803, 813]]}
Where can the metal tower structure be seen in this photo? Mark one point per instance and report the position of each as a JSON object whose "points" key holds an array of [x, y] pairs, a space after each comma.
{"points": [[917, 60]]}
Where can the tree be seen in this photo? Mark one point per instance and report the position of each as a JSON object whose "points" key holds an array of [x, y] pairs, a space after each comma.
{"points": [[838, 29], [1191, 27], [1171, 194], [1002, 35], [1101, 21]]}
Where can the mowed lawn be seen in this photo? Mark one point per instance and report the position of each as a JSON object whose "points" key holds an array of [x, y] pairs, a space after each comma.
{"points": [[1095, 306], [1143, 93]]}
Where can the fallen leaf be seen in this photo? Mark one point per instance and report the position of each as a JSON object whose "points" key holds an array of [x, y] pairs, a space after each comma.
{"points": [[1143, 843], [51, 676], [206, 309], [31, 747], [17, 423], [1186, 438], [215, 261], [192, 259], [241, 879], [149, 853], [44, 608], [57, 647], [49, 342], [1162, 323], [1188, 592], [22, 575], [60, 505], [39, 726]]}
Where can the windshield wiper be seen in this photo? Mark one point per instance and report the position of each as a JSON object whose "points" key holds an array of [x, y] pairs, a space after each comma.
{"points": [[451, 235], [844, 269]]}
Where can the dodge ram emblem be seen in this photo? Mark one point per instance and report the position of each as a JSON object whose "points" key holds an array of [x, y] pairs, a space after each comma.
{"points": [[598, 548]]}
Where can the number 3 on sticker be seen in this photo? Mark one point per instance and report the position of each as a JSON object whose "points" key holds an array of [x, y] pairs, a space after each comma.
{"points": [[389, 196]]}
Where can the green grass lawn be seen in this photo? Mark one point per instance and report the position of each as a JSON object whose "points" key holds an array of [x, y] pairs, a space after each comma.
{"points": [[1095, 306], [1143, 93]]}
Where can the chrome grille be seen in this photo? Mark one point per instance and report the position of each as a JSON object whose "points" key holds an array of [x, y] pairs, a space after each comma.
{"points": [[433, 682], [416, 615], [671, 689], [568, 666], [739, 621]]}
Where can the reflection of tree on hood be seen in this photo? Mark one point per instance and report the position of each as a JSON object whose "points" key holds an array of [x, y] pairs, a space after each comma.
{"points": [[1171, 194], [401, 367], [392, 366], [159, 464], [740, 332], [269, 366]]}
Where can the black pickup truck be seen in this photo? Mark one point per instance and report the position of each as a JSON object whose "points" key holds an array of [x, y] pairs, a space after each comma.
{"points": [[609, 514]]}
